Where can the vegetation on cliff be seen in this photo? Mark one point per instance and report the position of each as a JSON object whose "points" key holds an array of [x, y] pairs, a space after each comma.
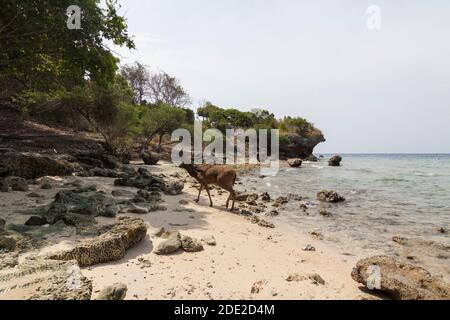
{"points": [[70, 78]]}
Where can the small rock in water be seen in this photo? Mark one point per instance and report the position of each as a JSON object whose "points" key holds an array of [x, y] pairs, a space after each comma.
{"points": [[325, 212], [265, 197], [295, 163], [329, 196], [183, 202], [441, 230], [209, 240], [309, 248], [117, 291], [2, 224], [335, 161]]}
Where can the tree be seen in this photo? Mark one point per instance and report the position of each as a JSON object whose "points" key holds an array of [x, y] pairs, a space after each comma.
{"points": [[39, 50], [138, 77], [160, 120], [165, 89]]}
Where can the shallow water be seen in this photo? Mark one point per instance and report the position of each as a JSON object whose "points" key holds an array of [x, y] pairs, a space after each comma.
{"points": [[387, 195]]}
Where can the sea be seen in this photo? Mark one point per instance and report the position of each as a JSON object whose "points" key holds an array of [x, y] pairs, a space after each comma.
{"points": [[387, 195]]}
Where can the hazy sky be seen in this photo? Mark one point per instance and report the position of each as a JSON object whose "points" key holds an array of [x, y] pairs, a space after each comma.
{"points": [[369, 91]]}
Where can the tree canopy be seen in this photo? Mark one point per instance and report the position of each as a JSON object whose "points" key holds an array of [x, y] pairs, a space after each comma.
{"points": [[39, 50]]}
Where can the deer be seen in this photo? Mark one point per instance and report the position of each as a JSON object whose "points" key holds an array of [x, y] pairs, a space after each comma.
{"points": [[220, 175]]}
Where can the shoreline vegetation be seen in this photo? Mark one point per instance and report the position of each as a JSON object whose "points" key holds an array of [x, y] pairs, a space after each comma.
{"points": [[91, 208]]}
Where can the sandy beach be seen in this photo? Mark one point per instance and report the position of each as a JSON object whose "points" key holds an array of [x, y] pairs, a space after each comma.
{"points": [[247, 262]]}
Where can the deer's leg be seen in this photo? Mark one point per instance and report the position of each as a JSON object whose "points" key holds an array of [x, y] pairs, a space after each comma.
{"points": [[233, 195], [200, 191], [228, 200], [210, 200]]}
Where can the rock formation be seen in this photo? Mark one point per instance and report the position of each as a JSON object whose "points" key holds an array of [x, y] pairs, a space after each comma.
{"points": [[329, 196], [335, 161], [110, 246], [31, 166], [37, 278], [295, 162], [400, 280], [300, 146]]}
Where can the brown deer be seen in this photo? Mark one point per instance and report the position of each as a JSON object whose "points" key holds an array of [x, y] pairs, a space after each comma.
{"points": [[220, 175]]}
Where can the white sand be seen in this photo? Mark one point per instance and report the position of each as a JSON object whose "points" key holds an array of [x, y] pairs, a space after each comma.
{"points": [[245, 254]]}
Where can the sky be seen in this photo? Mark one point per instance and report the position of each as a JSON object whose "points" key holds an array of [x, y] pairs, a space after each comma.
{"points": [[369, 91]]}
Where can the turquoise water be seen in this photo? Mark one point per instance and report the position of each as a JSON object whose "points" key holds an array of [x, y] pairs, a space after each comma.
{"points": [[387, 195]]}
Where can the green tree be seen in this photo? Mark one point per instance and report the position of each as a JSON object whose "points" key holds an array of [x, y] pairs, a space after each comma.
{"points": [[41, 52], [160, 120]]}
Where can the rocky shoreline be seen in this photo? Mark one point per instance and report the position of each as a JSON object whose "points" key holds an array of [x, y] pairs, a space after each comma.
{"points": [[122, 229]]}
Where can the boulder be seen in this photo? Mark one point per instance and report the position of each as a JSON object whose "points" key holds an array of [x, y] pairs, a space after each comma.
{"points": [[329, 196], [37, 278], [31, 166], [117, 291], [335, 161], [174, 188], [36, 221], [143, 181], [190, 244], [150, 158], [170, 245], [399, 279], [295, 162], [7, 243], [110, 246], [78, 204], [98, 159]]}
